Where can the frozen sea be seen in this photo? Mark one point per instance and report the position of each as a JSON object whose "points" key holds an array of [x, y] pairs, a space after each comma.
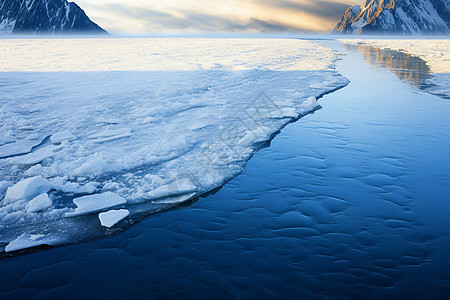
{"points": [[352, 200]]}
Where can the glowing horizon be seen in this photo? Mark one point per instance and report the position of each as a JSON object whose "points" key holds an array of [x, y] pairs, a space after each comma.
{"points": [[201, 16]]}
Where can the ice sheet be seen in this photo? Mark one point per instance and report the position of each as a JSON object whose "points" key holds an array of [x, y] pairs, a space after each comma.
{"points": [[140, 129]]}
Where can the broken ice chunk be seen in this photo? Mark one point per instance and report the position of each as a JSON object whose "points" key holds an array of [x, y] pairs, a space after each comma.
{"points": [[62, 136], [28, 188], [27, 240], [39, 203], [94, 203], [112, 217]]}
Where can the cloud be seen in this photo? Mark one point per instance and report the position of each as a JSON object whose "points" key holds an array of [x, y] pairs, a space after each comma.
{"points": [[320, 8], [205, 16]]}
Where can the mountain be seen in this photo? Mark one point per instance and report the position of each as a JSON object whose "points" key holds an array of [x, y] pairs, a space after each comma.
{"points": [[397, 17], [45, 17]]}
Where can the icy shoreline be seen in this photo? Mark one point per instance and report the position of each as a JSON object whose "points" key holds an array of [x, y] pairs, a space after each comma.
{"points": [[78, 144]]}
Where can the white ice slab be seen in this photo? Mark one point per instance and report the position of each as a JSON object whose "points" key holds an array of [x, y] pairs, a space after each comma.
{"points": [[112, 217], [94, 203]]}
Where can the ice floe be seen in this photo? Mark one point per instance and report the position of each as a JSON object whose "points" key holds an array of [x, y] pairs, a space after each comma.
{"points": [[95, 203], [112, 217]]}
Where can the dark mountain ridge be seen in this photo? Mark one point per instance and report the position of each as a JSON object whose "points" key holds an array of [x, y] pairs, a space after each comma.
{"points": [[45, 17]]}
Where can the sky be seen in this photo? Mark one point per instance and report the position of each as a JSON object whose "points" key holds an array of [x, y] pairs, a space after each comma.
{"points": [[219, 16]]}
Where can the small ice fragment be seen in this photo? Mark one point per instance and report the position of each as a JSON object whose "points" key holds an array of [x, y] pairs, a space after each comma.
{"points": [[95, 203], [26, 241], [178, 187], [62, 136], [39, 203], [112, 217], [28, 188]]}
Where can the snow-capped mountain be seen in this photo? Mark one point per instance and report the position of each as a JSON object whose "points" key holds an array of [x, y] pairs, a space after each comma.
{"points": [[44, 16], [397, 16]]}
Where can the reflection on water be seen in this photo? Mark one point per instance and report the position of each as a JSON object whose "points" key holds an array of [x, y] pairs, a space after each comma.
{"points": [[410, 68]]}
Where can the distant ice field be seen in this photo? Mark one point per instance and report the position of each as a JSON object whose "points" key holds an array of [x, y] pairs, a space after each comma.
{"points": [[96, 133]]}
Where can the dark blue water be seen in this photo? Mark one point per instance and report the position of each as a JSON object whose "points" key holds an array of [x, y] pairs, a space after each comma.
{"points": [[351, 201]]}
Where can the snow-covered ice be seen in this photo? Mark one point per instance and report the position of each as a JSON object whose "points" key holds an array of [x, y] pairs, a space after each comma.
{"points": [[140, 130], [112, 217]]}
